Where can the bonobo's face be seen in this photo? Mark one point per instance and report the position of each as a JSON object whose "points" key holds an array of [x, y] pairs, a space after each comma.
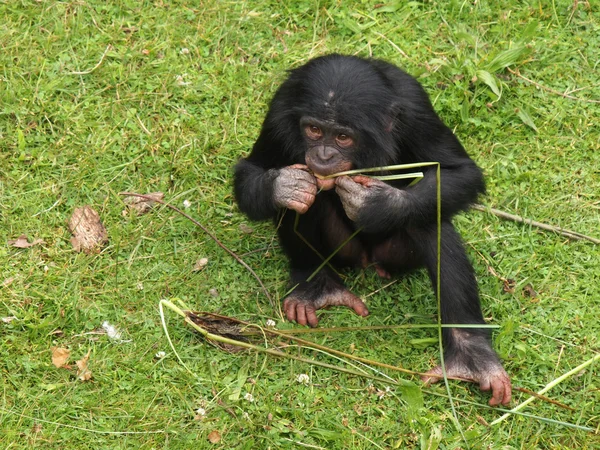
{"points": [[329, 146]]}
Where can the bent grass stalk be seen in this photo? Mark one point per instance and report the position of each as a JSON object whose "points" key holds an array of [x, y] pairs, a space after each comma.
{"points": [[217, 338]]}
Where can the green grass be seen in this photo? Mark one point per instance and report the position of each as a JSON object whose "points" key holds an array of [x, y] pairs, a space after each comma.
{"points": [[177, 99]]}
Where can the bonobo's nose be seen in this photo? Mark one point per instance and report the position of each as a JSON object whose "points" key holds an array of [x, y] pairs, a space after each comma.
{"points": [[325, 153]]}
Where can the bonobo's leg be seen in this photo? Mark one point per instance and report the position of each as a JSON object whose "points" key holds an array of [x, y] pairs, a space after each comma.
{"points": [[467, 351], [325, 289], [325, 226]]}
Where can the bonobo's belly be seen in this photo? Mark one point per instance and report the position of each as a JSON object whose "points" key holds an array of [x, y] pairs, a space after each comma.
{"points": [[396, 253]]}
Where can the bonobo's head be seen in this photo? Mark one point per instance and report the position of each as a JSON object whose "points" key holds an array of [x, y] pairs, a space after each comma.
{"points": [[329, 145], [345, 110]]}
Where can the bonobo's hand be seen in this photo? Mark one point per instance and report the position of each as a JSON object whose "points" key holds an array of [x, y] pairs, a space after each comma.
{"points": [[294, 188], [358, 191]]}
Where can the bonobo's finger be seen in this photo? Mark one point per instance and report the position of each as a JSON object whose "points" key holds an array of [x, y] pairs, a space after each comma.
{"points": [[311, 315], [301, 313], [299, 207], [352, 301], [346, 184], [289, 307], [501, 389], [299, 167], [432, 376], [366, 181], [348, 190], [305, 186], [306, 177]]}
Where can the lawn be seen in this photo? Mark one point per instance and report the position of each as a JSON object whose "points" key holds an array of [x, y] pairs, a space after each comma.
{"points": [[97, 98]]}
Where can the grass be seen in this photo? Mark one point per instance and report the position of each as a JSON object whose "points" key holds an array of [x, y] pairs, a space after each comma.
{"points": [[177, 98]]}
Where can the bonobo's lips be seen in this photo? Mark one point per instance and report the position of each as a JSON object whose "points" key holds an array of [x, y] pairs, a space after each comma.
{"points": [[324, 170]]}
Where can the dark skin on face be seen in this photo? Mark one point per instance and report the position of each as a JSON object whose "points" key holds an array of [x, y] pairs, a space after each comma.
{"points": [[338, 113]]}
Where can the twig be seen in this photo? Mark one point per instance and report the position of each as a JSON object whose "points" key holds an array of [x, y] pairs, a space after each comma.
{"points": [[86, 72], [543, 226], [572, 97], [549, 386], [143, 126], [542, 397], [212, 236]]}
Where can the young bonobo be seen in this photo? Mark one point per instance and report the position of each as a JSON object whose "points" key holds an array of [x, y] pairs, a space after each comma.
{"points": [[337, 113]]}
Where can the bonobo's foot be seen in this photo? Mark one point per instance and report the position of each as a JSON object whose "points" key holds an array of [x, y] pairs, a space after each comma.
{"points": [[472, 358], [303, 310], [365, 262]]}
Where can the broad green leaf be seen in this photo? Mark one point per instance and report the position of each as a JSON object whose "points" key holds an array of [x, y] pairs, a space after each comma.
{"points": [[490, 80], [527, 119], [507, 58]]}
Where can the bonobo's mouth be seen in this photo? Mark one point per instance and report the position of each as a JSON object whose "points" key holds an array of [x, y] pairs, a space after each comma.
{"points": [[325, 170]]}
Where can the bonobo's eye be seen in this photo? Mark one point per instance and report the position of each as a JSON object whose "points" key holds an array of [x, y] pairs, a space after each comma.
{"points": [[343, 140], [313, 132]]}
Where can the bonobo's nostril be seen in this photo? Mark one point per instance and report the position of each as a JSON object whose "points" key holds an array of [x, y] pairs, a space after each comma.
{"points": [[326, 153]]}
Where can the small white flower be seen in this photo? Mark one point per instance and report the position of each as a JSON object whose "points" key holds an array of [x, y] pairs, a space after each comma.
{"points": [[270, 323], [111, 331], [160, 355], [180, 81], [201, 412], [184, 51], [303, 378], [187, 203], [140, 286], [249, 397]]}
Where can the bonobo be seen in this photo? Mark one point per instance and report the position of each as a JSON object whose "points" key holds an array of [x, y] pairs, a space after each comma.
{"points": [[337, 113]]}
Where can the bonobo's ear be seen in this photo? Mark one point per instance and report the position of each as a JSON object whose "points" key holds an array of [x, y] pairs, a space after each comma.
{"points": [[393, 112]]}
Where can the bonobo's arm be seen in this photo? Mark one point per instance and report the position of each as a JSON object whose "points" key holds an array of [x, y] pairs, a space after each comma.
{"points": [[379, 207]]}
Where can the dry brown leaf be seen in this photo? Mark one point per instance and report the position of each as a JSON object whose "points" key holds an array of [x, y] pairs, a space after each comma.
{"points": [[141, 205], [528, 291], [83, 372], [509, 285], [88, 232], [23, 242], [214, 437], [60, 356]]}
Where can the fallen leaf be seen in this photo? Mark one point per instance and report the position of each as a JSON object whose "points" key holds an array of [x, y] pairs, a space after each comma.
{"points": [[528, 291], [88, 232], [214, 437], [23, 242], [200, 264], [83, 373], [60, 356], [141, 205], [509, 286], [8, 319]]}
